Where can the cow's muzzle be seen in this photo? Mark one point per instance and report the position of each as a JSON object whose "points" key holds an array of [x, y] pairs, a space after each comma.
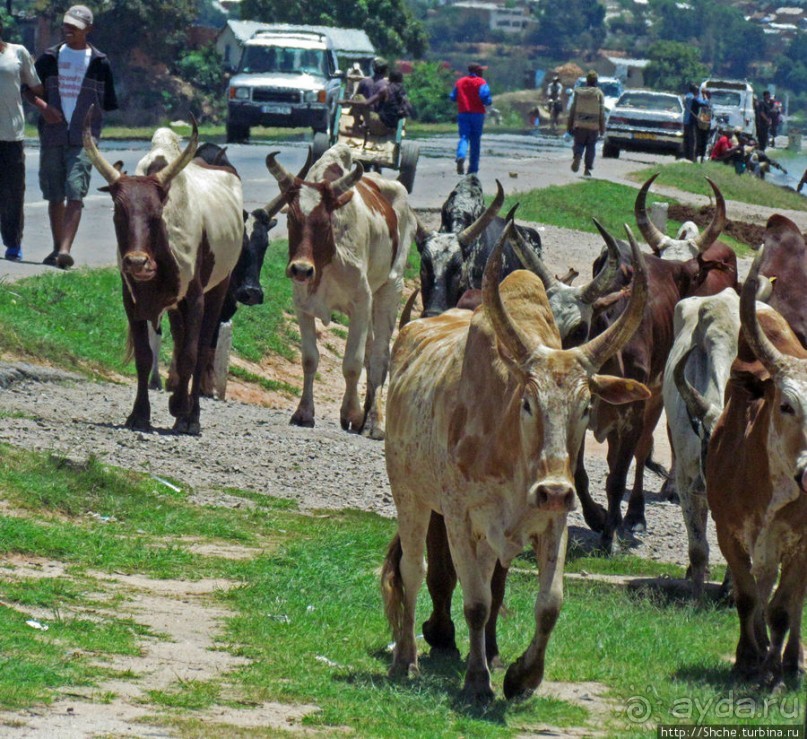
{"points": [[553, 495], [249, 295], [300, 271], [139, 266]]}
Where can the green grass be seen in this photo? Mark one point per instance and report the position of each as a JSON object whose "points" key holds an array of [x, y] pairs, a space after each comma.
{"points": [[307, 612], [743, 188]]}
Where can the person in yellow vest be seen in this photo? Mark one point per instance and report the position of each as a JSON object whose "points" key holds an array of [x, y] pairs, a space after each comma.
{"points": [[586, 122]]}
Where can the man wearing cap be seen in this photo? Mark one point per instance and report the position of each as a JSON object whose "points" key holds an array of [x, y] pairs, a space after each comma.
{"points": [[76, 76], [371, 86], [472, 94], [586, 122]]}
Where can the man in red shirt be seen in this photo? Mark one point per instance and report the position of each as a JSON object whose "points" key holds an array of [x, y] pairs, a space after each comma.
{"points": [[472, 94]]}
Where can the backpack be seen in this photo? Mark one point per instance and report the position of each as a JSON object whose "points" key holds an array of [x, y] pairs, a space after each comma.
{"points": [[704, 117], [395, 107]]}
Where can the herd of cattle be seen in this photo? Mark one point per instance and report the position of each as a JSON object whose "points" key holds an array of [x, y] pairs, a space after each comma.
{"points": [[492, 390]]}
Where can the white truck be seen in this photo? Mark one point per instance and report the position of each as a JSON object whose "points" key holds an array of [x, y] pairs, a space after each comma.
{"points": [[732, 103], [290, 77]]}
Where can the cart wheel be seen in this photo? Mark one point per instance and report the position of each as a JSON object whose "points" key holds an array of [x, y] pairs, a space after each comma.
{"points": [[321, 144], [410, 151]]}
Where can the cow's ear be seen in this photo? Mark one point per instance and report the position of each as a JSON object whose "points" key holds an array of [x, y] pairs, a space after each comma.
{"points": [[617, 390], [344, 199]]}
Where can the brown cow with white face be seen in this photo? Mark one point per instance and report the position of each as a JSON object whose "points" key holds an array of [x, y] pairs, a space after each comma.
{"points": [[179, 228], [486, 415], [349, 235], [756, 483]]}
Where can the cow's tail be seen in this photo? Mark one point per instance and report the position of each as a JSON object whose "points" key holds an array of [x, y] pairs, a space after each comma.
{"points": [[406, 313], [392, 586]]}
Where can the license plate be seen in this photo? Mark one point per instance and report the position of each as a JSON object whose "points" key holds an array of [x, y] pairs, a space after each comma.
{"points": [[648, 136], [276, 109]]}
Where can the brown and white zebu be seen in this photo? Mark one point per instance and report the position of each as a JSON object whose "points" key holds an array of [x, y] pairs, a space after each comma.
{"points": [[486, 413], [629, 428], [756, 482], [349, 235], [179, 228]]}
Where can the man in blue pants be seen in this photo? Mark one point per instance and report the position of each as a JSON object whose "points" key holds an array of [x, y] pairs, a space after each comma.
{"points": [[472, 94]]}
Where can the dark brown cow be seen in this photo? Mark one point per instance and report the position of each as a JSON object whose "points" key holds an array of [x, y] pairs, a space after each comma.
{"points": [[629, 430], [179, 228], [756, 476]]}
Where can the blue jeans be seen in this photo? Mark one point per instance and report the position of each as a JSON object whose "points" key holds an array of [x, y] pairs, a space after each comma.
{"points": [[470, 129]]}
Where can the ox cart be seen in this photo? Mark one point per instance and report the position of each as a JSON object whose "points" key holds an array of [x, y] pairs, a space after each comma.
{"points": [[375, 152]]}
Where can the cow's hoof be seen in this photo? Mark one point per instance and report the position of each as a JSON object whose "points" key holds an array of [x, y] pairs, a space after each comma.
{"points": [[178, 405], [303, 420], [635, 523], [404, 670], [595, 518], [136, 423], [478, 690], [156, 384], [441, 639], [520, 683], [187, 426], [375, 433]]}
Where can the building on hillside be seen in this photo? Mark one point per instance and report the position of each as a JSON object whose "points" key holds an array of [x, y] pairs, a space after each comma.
{"points": [[630, 71], [351, 44], [496, 16]]}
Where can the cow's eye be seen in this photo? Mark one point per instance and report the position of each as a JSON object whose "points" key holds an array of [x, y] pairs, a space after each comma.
{"points": [[787, 409], [525, 406], [587, 410]]}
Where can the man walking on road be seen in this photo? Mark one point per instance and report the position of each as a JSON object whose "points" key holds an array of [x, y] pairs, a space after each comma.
{"points": [[586, 122], [16, 69], [472, 94], [75, 76]]}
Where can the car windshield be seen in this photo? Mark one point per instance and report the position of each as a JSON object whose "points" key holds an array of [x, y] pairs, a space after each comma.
{"points": [[611, 89], [262, 59], [648, 101], [729, 98]]}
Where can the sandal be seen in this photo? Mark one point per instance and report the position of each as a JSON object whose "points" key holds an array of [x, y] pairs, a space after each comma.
{"points": [[64, 260], [50, 260]]}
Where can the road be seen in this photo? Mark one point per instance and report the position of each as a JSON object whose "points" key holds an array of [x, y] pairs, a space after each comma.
{"points": [[520, 162]]}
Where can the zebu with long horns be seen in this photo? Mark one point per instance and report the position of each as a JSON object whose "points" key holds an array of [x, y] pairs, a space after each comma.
{"points": [[349, 234], [487, 413], [179, 228]]}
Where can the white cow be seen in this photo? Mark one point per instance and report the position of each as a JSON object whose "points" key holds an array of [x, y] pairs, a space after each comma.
{"points": [[486, 416], [349, 235]]}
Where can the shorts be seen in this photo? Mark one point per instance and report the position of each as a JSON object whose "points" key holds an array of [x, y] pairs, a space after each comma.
{"points": [[64, 173]]}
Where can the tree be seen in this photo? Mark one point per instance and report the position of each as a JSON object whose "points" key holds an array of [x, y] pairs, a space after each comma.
{"points": [[791, 67], [672, 65], [428, 87], [566, 25], [389, 23]]}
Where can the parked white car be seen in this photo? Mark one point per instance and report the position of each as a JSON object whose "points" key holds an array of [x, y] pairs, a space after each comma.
{"points": [[645, 120], [611, 89]]}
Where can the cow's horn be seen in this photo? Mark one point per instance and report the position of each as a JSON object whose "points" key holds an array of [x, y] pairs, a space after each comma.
{"points": [[604, 279], [772, 359], [284, 178], [273, 207], [345, 182], [164, 176], [406, 313], [531, 260], [717, 224], [697, 406], [503, 326], [467, 236], [601, 348], [105, 169], [654, 238]]}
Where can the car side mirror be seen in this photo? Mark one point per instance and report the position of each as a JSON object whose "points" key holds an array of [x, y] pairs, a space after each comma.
{"points": [[338, 75]]}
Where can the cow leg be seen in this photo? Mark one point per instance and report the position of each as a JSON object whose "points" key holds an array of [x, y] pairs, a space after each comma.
{"points": [[497, 588], [385, 309], [304, 415], [634, 518], [441, 579], [695, 508], [155, 342], [351, 415], [475, 562], [621, 443], [140, 417], [401, 602], [186, 322], [593, 513], [525, 675], [749, 652], [793, 659]]}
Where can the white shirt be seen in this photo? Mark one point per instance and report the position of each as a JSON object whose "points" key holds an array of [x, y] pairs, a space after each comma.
{"points": [[16, 68], [72, 68]]}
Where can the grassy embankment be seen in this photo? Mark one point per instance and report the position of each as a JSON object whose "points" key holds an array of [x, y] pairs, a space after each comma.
{"points": [[313, 642]]}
